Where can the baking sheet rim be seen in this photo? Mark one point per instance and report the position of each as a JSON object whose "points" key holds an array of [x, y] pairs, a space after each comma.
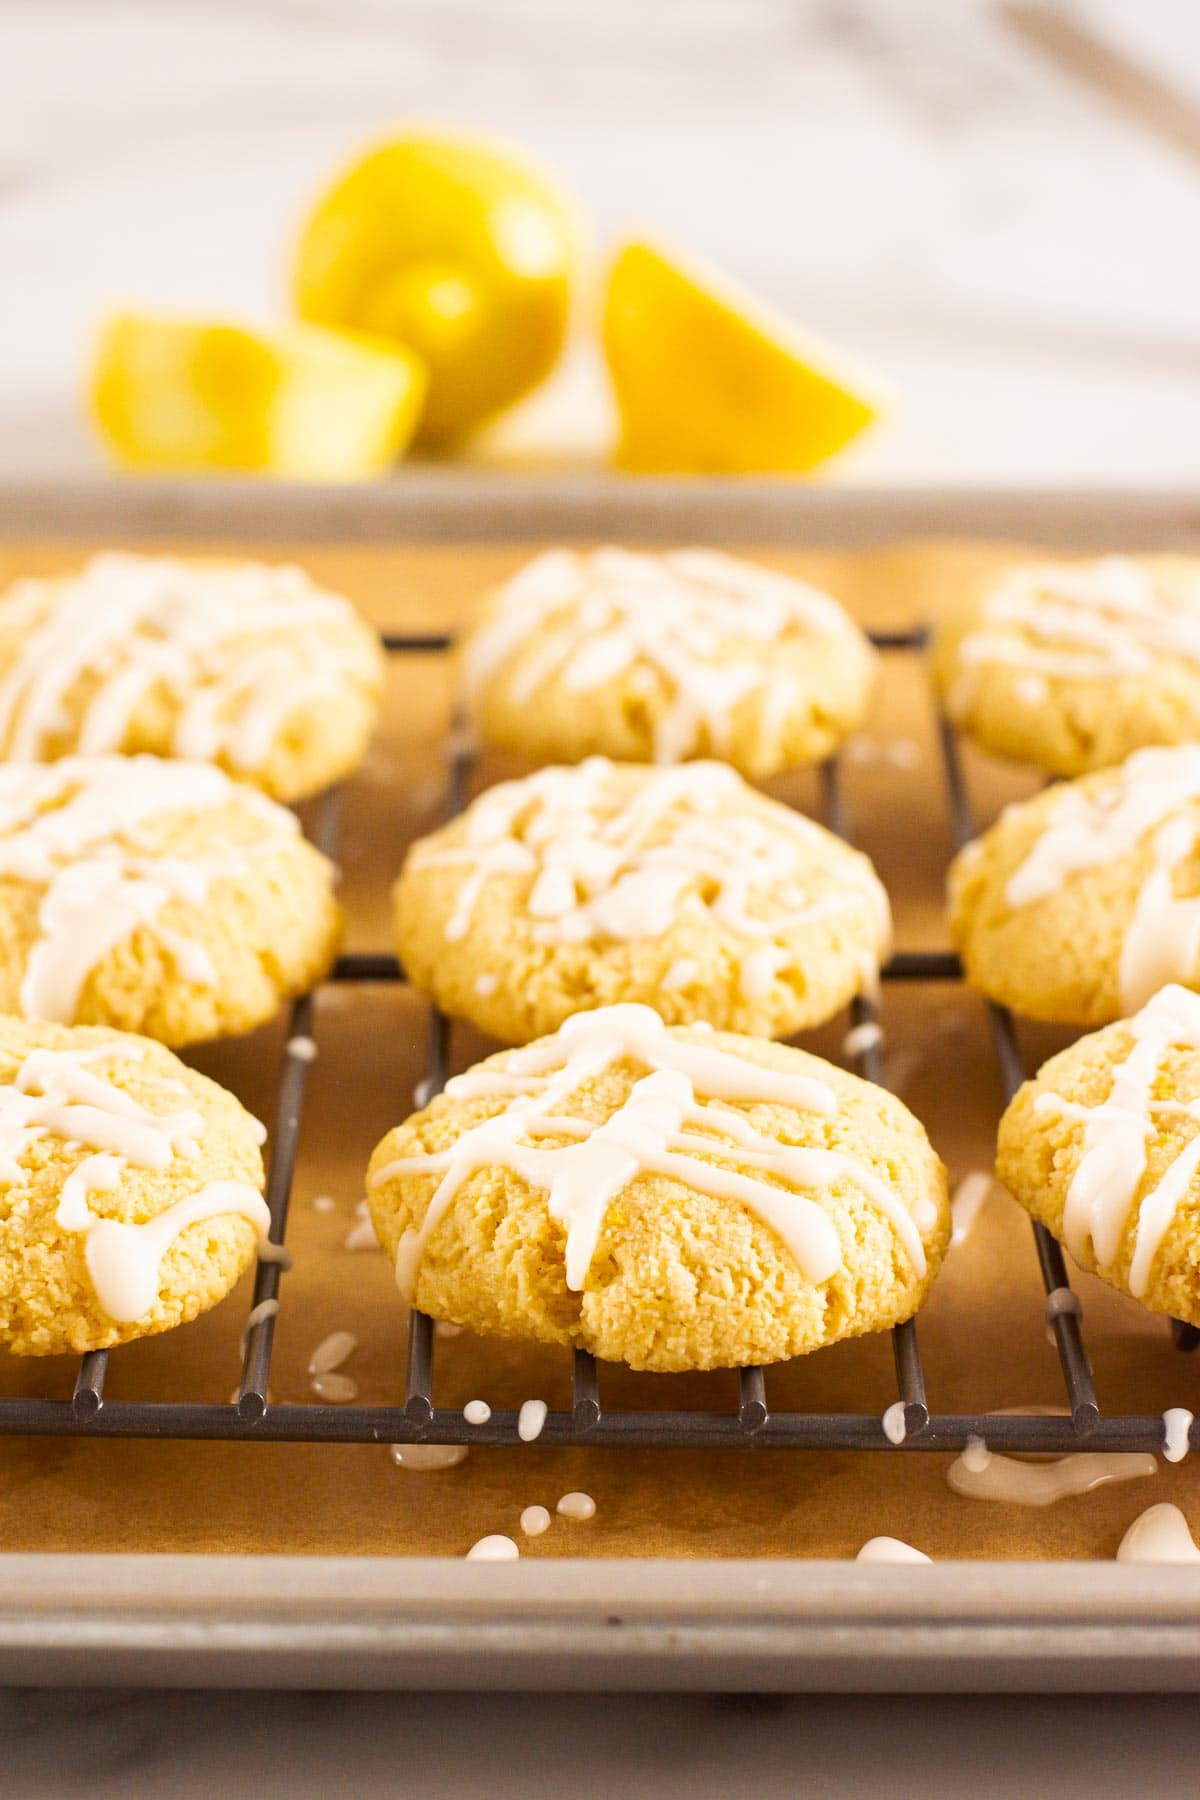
{"points": [[426, 1623]]}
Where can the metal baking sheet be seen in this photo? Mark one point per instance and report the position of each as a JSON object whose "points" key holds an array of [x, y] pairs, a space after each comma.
{"points": [[270, 1620]]}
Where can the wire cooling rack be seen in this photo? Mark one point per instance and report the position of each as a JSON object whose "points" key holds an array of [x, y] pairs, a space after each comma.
{"points": [[251, 1417]]}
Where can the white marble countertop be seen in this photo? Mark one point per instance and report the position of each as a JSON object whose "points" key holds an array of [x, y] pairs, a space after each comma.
{"points": [[907, 176], [130, 1746]]}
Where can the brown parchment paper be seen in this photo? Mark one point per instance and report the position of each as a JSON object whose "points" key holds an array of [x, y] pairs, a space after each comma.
{"points": [[982, 1332]]}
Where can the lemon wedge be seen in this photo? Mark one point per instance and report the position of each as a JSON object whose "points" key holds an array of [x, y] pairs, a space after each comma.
{"points": [[707, 382], [297, 402], [456, 248]]}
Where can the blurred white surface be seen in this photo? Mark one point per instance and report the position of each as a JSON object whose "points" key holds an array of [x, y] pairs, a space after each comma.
{"points": [[113, 1746], [908, 176]]}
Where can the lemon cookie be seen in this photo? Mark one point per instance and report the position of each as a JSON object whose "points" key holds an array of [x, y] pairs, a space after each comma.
{"points": [[668, 1197], [661, 658], [1073, 665], [250, 666], [1080, 903], [155, 896], [130, 1189], [604, 882], [1104, 1148]]}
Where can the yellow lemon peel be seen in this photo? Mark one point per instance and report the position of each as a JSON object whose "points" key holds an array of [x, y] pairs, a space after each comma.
{"points": [[708, 382], [297, 401]]}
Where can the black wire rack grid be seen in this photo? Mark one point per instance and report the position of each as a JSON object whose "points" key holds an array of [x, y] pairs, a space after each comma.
{"points": [[251, 1417]]}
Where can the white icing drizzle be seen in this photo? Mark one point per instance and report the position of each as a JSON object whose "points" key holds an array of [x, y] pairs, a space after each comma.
{"points": [[304, 1049], [193, 961], [477, 1412], [333, 1385], [980, 1475], [607, 865], [576, 1506], [895, 1426], [275, 1253], [861, 1038], [266, 1309], [696, 625], [429, 1457], [56, 1093], [1154, 794], [758, 969], [495, 1548], [1084, 622], [446, 1328], [1103, 1190], [332, 1352], [76, 829], [361, 1235], [531, 1419], [1062, 1300], [486, 984], [1090, 824], [892, 1550], [235, 649], [663, 1127], [323, 1203], [1177, 1425], [1159, 1535], [535, 1520], [870, 980], [967, 1202], [1162, 939]]}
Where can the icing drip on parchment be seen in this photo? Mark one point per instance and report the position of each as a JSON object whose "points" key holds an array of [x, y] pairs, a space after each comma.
{"points": [[892, 1550], [1155, 794], [494, 1548], [608, 865], [676, 1121], [1159, 1535], [979, 1474], [228, 645], [1103, 1191], [967, 1202], [58, 1093], [429, 1457], [1094, 621], [672, 618], [76, 829]]}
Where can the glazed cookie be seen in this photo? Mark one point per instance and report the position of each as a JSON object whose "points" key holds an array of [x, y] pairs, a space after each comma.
{"points": [[1080, 903], [242, 664], [1073, 665], [667, 1197], [661, 658], [580, 887], [130, 1189], [155, 896], [1104, 1147]]}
